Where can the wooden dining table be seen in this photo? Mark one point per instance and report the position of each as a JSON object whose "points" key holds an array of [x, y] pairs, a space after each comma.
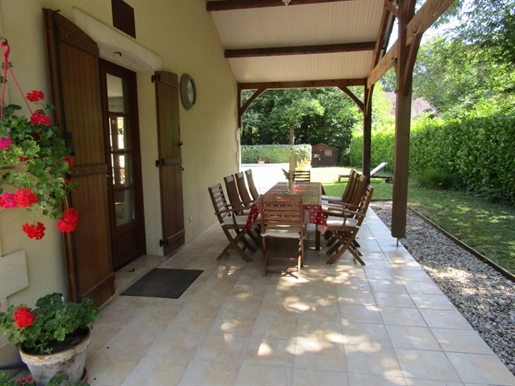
{"points": [[311, 193]]}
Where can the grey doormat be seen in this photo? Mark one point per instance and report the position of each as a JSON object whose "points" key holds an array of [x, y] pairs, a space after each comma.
{"points": [[163, 283]]}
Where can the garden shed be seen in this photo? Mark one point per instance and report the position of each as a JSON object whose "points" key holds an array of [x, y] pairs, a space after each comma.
{"points": [[324, 155]]}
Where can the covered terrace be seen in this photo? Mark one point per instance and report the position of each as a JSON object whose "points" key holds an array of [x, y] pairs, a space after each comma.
{"points": [[386, 323], [343, 324]]}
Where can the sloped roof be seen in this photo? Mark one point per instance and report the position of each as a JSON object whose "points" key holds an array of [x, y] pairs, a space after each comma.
{"points": [[323, 146], [326, 40], [418, 105]]}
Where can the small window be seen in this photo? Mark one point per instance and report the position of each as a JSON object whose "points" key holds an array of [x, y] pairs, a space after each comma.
{"points": [[328, 153]]}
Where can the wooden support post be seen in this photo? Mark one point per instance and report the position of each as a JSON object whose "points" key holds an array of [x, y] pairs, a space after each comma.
{"points": [[367, 132], [404, 69]]}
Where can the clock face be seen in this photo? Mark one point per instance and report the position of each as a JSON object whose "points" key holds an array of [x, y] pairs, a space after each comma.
{"points": [[188, 91], [191, 91]]}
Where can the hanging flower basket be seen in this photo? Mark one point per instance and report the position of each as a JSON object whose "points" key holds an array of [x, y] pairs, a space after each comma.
{"points": [[35, 163]]}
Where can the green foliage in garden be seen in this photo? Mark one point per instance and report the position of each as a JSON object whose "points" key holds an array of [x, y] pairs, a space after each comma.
{"points": [[311, 116], [485, 226], [383, 139], [274, 153], [477, 151], [435, 179]]}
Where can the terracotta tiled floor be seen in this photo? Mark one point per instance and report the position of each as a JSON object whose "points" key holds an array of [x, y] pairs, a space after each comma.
{"points": [[343, 324]]}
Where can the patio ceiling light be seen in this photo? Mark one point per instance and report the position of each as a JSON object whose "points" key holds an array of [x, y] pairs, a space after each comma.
{"points": [[286, 2]]}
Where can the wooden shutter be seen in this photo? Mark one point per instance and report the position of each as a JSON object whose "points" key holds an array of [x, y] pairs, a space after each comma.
{"points": [[170, 161], [75, 79]]}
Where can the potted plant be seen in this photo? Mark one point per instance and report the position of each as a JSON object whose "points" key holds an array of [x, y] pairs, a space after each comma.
{"points": [[52, 332], [35, 162], [261, 160]]}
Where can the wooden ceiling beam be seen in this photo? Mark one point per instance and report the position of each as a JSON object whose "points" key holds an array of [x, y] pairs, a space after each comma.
{"points": [[300, 50], [392, 7], [340, 83], [423, 19], [229, 5], [387, 23]]}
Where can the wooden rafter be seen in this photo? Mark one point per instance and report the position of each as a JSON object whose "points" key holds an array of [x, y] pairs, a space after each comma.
{"points": [[228, 5], [300, 50], [245, 106], [304, 84], [391, 7], [385, 30], [353, 96], [423, 19]]}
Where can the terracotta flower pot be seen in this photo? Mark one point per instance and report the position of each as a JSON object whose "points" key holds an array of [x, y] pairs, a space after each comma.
{"points": [[71, 362]]}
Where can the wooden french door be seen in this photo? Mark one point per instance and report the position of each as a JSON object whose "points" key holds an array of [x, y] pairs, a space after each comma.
{"points": [[170, 161], [75, 81], [119, 100]]}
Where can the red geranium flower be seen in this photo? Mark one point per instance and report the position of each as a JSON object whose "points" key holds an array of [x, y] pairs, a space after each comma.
{"points": [[8, 201], [34, 231], [23, 159], [70, 161], [23, 317], [25, 197], [39, 118], [66, 227], [69, 221], [5, 142], [35, 96], [25, 380]]}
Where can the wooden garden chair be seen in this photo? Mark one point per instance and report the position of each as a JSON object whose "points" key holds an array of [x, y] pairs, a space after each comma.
{"points": [[234, 196], [302, 175], [282, 217], [232, 224], [351, 197], [252, 185], [348, 191], [345, 226], [243, 190]]}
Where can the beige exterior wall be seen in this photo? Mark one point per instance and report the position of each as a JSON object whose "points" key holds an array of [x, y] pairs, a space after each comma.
{"points": [[177, 36]]}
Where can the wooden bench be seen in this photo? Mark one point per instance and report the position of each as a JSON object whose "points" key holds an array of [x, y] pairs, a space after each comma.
{"points": [[373, 173]]}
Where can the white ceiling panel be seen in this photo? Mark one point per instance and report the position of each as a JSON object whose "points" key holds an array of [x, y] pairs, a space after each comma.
{"points": [[314, 25], [327, 23], [355, 65]]}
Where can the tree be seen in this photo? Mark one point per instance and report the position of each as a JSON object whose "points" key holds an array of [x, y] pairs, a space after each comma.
{"points": [[490, 25], [324, 115], [318, 115]]}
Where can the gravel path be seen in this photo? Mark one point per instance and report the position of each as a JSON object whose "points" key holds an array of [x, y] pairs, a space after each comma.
{"points": [[483, 296]]}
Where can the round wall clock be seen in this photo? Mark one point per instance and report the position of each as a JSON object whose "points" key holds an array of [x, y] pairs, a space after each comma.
{"points": [[188, 91]]}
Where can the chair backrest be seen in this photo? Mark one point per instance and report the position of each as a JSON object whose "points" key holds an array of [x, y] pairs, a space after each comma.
{"points": [[242, 188], [252, 185], [282, 212], [358, 192], [232, 192], [216, 193], [303, 175], [365, 202], [351, 186]]}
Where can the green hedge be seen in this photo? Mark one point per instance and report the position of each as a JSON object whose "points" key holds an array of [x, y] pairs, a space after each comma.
{"points": [[479, 152], [274, 153], [382, 147]]}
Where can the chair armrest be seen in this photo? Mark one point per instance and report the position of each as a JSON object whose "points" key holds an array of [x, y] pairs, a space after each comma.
{"points": [[340, 212], [229, 210], [342, 204]]}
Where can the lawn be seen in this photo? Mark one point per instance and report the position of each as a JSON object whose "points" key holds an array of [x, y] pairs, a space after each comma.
{"points": [[485, 226]]}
